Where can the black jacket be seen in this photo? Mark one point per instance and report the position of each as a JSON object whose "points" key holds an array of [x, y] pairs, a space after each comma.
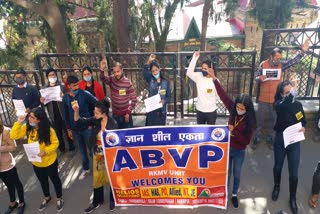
{"points": [[96, 127], [289, 112]]}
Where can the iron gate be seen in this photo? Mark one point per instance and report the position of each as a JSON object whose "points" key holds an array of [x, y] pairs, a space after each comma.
{"points": [[7, 111], [132, 64], [235, 70], [289, 41]]}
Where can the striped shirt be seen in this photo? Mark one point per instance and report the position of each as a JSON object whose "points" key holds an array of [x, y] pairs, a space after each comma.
{"points": [[123, 96]]}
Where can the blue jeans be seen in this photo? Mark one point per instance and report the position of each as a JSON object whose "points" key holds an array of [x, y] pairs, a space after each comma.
{"points": [[293, 153], [236, 158], [83, 139], [122, 123]]}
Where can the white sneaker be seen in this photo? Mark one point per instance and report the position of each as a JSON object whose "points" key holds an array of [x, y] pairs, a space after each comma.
{"points": [[84, 174]]}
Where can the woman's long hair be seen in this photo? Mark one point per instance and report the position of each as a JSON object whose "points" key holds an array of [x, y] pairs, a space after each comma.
{"points": [[280, 87], [88, 68], [43, 126], [1, 127], [250, 116], [103, 105], [155, 64]]}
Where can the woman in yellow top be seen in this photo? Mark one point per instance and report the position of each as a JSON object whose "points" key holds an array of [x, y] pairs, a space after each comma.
{"points": [[37, 129]]}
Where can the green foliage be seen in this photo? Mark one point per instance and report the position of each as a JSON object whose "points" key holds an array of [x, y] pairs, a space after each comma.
{"points": [[76, 41], [273, 13], [14, 35], [159, 22], [139, 25], [230, 6], [103, 9]]}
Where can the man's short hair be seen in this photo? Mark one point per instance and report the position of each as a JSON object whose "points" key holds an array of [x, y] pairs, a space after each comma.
{"points": [[21, 71], [118, 64], [276, 50], [72, 79]]}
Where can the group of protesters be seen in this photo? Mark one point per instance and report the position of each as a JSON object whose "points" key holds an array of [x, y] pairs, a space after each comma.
{"points": [[84, 113]]}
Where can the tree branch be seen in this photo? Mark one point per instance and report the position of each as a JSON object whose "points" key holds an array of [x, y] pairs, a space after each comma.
{"points": [[89, 7], [38, 8]]}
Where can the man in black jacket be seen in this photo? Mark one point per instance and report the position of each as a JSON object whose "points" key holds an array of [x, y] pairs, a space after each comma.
{"points": [[29, 94]]}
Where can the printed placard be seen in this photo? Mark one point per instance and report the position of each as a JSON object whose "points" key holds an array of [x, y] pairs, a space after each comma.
{"points": [[168, 166]]}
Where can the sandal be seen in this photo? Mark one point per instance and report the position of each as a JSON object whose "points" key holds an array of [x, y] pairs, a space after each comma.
{"points": [[312, 202]]}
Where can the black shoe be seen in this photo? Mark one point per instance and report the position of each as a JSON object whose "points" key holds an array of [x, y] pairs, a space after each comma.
{"points": [[293, 205], [44, 203], [255, 143], [91, 208], [235, 202], [60, 205], [11, 208], [275, 192], [112, 206], [21, 208]]}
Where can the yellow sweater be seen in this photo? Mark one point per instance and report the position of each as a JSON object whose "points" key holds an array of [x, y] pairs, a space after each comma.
{"points": [[19, 131]]}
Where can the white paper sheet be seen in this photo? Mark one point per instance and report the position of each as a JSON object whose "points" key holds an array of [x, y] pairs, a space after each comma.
{"points": [[272, 74], [153, 103], [19, 107], [32, 151], [292, 135], [51, 94]]}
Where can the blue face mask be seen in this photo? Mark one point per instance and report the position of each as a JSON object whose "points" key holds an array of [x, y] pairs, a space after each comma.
{"points": [[204, 73], [88, 78], [33, 124], [75, 92], [156, 76]]}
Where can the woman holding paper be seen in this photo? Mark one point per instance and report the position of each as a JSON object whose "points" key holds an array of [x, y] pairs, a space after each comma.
{"points": [[8, 171], [289, 112], [99, 123], [38, 130], [157, 85], [55, 110]]}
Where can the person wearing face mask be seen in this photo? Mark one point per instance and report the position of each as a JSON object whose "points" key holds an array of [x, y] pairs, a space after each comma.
{"points": [[37, 129], [55, 111], [242, 124], [207, 95], [91, 85], [29, 94], [123, 95], [157, 85], [100, 122], [266, 115], [289, 112], [81, 134]]}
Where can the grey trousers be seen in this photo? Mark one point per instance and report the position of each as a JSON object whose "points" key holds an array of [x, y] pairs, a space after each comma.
{"points": [[266, 118]]}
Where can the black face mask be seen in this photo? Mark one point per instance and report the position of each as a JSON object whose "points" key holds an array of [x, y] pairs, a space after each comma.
{"points": [[204, 73], [276, 62], [20, 80]]}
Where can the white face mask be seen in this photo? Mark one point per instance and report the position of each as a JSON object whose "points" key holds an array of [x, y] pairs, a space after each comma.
{"points": [[241, 112], [53, 80]]}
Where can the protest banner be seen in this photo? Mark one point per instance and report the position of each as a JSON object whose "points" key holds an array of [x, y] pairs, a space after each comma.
{"points": [[168, 166]]}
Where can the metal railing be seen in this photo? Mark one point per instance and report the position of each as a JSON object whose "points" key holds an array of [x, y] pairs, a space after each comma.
{"points": [[289, 41], [7, 110], [235, 70]]}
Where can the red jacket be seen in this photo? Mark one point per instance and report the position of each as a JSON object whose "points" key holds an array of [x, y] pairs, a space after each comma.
{"points": [[238, 139], [98, 90]]}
